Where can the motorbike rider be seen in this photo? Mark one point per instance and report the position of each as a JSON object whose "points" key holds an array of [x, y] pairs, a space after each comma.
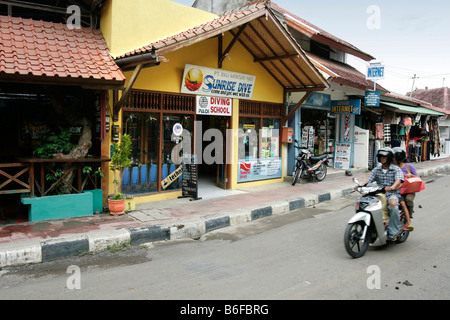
{"points": [[390, 177]]}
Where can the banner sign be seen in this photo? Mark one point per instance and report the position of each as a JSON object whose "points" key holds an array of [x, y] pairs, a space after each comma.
{"points": [[214, 106], [259, 169], [372, 99], [346, 106], [217, 82]]}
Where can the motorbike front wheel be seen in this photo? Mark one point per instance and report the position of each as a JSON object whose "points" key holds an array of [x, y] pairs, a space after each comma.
{"points": [[296, 176], [355, 246], [321, 172]]}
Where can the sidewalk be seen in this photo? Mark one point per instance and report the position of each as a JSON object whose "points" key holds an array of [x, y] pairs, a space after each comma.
{"points": [[43, 241]]}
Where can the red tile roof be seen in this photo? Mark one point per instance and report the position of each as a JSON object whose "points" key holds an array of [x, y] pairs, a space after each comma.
{"points": [[262, 35], [221, 22], [439, 97], [41, 51], [343, 73], [319, 34]]}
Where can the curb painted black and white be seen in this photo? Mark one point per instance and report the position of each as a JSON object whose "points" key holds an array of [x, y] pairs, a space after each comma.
{"points": [[14, 254], [47, 250]]}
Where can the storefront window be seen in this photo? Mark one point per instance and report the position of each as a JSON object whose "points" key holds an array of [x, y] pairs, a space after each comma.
{"points": [[248, 138], [317, 131], [144, 130], [270, 139], [259, 149]]}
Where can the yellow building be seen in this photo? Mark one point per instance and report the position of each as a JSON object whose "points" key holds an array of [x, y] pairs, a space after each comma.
{"points": [[222, 79]]}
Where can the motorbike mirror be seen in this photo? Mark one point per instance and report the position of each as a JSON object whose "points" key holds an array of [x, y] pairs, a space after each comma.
{"points": [[355, 180], [296, 141]]}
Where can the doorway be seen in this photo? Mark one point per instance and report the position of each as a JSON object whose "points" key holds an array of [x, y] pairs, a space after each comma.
{"points": [[212, 171]]}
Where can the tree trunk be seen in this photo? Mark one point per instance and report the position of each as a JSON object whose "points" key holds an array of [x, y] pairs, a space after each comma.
{"points": [[80, 151]]}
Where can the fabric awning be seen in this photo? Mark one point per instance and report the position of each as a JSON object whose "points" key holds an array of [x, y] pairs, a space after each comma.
{"points": [[400, 108]]}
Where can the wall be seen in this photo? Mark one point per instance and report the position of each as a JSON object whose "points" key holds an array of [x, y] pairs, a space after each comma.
{"points": [[128, 25], [168, 76]]}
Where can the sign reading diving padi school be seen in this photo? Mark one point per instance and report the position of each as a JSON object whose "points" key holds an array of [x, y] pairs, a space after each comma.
{"points": [[217, 82], [214, 106]]}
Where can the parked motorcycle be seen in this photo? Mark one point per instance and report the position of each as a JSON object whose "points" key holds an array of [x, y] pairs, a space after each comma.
{"points": [[309, 166], [367, 227]]}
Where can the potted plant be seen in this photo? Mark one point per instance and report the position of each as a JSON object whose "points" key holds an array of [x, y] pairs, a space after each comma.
{"points": [[119, 161]]}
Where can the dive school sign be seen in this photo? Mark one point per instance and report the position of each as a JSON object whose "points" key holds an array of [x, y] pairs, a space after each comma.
{"points": [[217, 82]]}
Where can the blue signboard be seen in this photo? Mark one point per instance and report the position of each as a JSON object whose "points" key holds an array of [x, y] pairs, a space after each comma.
{"points": [[346, 106], [372, 99]]}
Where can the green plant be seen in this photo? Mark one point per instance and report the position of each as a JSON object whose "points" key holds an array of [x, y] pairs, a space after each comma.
{"points": [[54, 143], [119, 246], [54, 176], [119, 161], [91, 176]]}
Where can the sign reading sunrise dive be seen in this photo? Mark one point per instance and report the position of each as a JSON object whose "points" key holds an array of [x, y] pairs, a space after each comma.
{"points": [[216, 82]]}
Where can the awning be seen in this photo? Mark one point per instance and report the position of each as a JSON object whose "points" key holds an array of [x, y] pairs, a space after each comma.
{"points": [[259, 31], [400, 108], [42, 52]]}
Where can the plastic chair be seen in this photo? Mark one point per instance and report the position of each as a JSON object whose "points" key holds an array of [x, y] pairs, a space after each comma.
{"points": [[126, 186], [144, 178], [153, 176], [134, 179]]}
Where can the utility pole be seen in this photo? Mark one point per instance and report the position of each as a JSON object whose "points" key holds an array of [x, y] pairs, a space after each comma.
{"points": [[414, 82]]}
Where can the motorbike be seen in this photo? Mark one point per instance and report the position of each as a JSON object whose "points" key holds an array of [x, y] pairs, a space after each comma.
{"points": [[367, 227], [309, 166]]}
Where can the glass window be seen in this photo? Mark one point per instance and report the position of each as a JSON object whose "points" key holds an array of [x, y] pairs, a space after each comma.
{"points": [[144, 129], [270, 139], [248, 138]]}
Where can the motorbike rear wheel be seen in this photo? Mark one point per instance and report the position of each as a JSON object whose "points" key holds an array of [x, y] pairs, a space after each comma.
{"points": [[321, 172], [356, 247], [404, 235]]}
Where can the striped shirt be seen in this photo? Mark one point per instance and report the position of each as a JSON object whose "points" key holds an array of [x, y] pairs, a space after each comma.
{"points": [[387, 179]]}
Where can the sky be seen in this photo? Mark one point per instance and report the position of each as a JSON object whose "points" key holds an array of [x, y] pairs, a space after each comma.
{"points": [[409, 37]]}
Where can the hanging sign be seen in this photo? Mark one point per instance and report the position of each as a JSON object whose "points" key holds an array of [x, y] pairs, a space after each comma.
{"points": [[217, 82], [375, 71], [214, 106], [346, 106], [372, 99]]}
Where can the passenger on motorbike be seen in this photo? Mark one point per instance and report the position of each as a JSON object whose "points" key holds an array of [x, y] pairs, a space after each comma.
{"points": [[409, 171], [390, 177]]}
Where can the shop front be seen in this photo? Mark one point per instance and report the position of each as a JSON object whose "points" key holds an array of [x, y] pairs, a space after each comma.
{"points": [[226, 110], [314, 127], [53, 115]]}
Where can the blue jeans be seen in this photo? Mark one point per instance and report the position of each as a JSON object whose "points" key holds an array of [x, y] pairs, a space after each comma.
{"points": [[395, 224]]}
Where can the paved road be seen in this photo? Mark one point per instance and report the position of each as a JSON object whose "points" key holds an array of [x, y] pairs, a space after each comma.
{"points": [[295, 256]]}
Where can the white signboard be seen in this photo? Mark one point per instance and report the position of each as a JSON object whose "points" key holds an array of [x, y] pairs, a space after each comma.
{"points": [[214, 106], [375, 71], [217, 82], [361, 145], [342, 155]]}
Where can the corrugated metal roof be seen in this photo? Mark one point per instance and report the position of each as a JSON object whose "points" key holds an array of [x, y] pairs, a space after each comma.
{"points": [[411, 109]]}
